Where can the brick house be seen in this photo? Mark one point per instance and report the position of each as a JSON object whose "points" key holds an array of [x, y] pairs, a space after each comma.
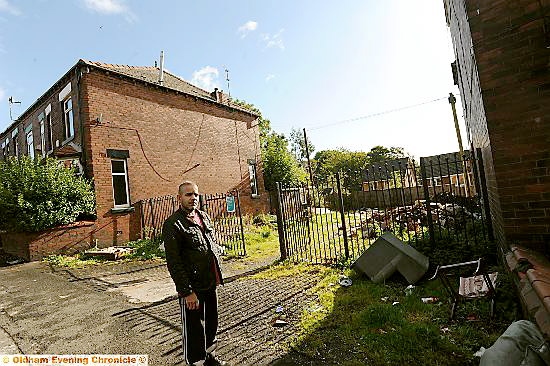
{"points": [[502, 68], [138, 132]]}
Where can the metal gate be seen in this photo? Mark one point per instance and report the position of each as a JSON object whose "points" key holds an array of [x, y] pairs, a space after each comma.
{"points": [[224, 210], [442, 200]]}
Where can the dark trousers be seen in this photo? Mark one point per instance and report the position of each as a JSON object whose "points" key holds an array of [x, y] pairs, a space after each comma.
{"points": [[199, 327]]}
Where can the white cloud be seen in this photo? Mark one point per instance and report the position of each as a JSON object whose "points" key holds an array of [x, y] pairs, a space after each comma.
{"points": [[110, 7], [269, 77], [247, 28], [206, 78], [6, 7], [274, 40]]}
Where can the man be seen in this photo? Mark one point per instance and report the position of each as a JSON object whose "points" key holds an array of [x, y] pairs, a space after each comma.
{"points": [[192, 257]]}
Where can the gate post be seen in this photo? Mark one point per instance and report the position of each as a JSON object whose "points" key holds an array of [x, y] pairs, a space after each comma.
{"points": [[427, 202], [280, 223], [485, 194], [342, 215], [241, 220]]}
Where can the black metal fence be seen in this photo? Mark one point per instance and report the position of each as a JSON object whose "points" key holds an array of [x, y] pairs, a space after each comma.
{"points": [[338, 217], [224, 210]]}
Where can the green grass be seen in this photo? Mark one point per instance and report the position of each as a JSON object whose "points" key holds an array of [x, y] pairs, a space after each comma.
{"points": [[358, 325]]}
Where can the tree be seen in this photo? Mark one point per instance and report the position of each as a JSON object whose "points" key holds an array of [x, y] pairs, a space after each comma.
{"points": [[36, 195], [298, 145], [379, 154], [279, 165]]}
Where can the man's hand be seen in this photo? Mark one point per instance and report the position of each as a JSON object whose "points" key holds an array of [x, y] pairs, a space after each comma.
{"points": [[191, 301]]}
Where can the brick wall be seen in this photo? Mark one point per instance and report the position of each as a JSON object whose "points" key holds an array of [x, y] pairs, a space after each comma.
{"points": [[67, 239], [505, 85], [165, 133]]}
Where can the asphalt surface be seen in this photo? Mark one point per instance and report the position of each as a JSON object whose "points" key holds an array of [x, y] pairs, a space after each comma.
{"points": [[130, 308]]}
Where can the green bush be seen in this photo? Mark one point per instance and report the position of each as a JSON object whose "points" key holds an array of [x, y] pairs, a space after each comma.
{"points": [[146, 249], [39, 194]]}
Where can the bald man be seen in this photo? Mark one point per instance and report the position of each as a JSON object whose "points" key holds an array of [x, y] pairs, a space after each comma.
{"points": [[192, 257]]}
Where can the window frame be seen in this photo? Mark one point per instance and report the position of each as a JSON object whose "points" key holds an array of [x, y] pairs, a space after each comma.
{"points": [[253, 176], [126, 181], [30, 146], [68, 128]]}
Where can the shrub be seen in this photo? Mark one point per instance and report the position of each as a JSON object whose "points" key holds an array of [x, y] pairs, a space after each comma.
{"points": [[39, 194]]}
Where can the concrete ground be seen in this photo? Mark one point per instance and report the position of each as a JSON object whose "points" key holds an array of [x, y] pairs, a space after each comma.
{"points": [[130, 308]]}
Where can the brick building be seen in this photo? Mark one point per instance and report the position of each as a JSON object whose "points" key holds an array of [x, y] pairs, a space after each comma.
{"points": [[138, 132], [502, 68]]}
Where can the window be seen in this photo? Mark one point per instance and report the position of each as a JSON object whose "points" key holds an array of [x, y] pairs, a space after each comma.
{"points": [[253, 178], [30, 141], [15, 142], [7, 152], [119, 173], [42, 135], [49, 133], [68, 118], [4, 149]]}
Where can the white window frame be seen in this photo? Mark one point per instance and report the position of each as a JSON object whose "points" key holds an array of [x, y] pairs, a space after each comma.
{"points": [[68, 119], [125, 174], [253, 175], [30, 143]]}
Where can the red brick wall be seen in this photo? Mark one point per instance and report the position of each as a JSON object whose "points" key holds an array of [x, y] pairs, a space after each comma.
{"points": [[52, 97], [175, 133], [68, 239], [505, 85]]}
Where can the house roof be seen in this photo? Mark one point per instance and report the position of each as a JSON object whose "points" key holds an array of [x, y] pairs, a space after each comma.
{"points": [[444, 164], [147, 74], [386, 169], [150, 74]]}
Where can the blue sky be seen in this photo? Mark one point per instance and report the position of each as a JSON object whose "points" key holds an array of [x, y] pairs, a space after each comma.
{"points": [[303, 63]]}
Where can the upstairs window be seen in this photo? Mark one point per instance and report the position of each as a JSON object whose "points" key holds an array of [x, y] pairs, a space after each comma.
{"points": [[15, 142], [68, 118], [49, 133], [67, 107], [42, 135], [30, 141]]}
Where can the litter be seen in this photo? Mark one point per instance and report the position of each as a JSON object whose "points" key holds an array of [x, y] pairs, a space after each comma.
{"points": [[429, 300], [279, 309], [385, 298], [409, 290], [395, 303], [15, 261], [345, 281], [279, 323]]}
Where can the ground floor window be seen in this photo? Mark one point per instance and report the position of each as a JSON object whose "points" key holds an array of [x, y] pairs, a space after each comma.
{"points": [[119, 172], [253, 177]]}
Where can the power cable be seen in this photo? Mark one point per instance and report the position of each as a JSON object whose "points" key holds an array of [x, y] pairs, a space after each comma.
{"points": [[375, 114]]}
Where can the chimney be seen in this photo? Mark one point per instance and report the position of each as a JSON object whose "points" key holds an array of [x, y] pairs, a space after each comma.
{"points": [[218, 95], [161, 70]]}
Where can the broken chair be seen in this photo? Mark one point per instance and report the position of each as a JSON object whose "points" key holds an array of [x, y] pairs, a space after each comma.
{"points": [[479, 285]]}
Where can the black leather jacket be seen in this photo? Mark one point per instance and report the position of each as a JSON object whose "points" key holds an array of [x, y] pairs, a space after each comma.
{"points": [[192, 256]]}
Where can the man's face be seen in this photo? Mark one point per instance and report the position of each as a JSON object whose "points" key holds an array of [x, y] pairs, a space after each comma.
{"points": [[189, 197]]}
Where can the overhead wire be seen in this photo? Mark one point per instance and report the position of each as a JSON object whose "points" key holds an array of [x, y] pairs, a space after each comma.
{"points": [[375, 114]]}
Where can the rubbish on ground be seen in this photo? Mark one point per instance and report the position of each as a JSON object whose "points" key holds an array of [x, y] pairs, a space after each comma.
{"points": [[15, 261], [279, 309], [480, 352], [110, 253], [445, 330], [395, 303], [429, 300], [409, 290], [280, 323], [381, 331], [385, 298], [63, 296], [345, 281], [472, 317]]}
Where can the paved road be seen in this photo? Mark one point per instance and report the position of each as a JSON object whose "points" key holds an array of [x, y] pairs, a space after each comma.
{"points": [[130, 308]]}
